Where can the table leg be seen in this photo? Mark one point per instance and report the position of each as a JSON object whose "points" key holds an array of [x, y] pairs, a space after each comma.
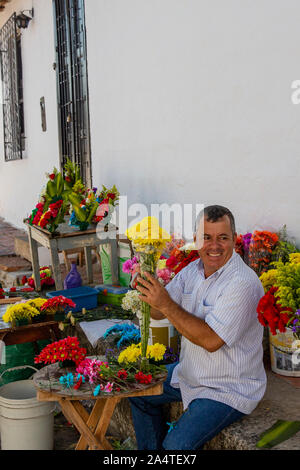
{"points": [[114, 262], [108, 409], [55, 264], [35, 260], [71, 413], [89, 264], [91, 420]]}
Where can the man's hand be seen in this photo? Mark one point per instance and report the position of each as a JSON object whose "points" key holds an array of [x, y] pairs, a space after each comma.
{"points": [[153, 293]]}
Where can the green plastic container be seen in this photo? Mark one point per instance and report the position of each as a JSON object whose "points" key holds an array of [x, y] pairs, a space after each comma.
{"points": [[19, 355], [112, 295]]}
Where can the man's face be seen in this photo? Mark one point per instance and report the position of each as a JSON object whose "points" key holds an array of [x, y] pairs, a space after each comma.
{"points": [[218, 244]]}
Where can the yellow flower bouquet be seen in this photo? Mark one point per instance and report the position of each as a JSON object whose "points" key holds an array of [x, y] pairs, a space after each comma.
{"points": [[19, 313], [148, 241]]}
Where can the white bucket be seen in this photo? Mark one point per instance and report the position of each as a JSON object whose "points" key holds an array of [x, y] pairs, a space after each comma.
{"points": [[285, 353], [163, 332], [25, 423]]}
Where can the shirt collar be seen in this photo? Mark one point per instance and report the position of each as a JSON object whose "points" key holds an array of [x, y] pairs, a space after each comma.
{"points": [[217, 273]]}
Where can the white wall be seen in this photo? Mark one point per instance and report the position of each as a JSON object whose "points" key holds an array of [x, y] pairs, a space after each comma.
{"points": [[190, 101], [21, 181]]}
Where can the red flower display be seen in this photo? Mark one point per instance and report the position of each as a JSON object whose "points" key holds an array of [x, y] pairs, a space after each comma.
{"points": [[260, 250], [192, 256], [122, 374], [143, 378], [66, 349], [271, 313], [57, 304]]}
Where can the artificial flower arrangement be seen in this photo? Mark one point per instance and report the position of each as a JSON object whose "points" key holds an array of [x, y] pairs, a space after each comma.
{"points": [[67, 352], [148, 241], [112, 375], [57, 306], [65, 194], [45, 278], [279, 308], [261, 248], [23, 312]]}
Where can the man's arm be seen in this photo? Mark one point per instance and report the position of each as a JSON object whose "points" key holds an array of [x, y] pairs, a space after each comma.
{"points": [[191, 327]]}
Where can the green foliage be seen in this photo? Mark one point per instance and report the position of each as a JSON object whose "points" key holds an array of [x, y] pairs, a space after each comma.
{"points": [[284, 247], [288, 283]]}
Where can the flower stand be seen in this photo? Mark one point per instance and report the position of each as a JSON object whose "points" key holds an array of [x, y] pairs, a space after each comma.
{"points": [[92, 427], [59, 242]]}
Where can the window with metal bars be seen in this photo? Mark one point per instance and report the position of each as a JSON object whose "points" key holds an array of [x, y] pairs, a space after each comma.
{"points": [[12, 90], [72, 85]]}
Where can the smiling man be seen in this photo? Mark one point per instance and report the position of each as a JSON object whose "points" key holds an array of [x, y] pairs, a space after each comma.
{"points": [[220, 375]]}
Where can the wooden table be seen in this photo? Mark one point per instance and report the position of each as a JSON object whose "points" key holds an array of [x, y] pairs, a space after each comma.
{"points": [[30, 333], [92, 427], [72, 239]]}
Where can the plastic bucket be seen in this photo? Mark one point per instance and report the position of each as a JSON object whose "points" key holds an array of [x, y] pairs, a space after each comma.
{"points": [[285, 353], [25, 423], [163, 332]]}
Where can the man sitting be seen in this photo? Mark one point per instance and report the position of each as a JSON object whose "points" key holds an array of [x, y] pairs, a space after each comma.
{"points": [[220, 375]]}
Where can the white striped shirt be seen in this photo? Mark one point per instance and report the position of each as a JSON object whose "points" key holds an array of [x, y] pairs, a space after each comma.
{"points": [[226, 301]]}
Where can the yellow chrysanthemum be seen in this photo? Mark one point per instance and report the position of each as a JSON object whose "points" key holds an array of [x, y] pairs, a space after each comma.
{"points": [[156, 351], [19, 312], [36, 303], [294, 258], [130, 354], [148, 231], [268, 279]]}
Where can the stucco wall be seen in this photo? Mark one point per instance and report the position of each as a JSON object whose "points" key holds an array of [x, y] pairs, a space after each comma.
{"points": [[190, 102]]}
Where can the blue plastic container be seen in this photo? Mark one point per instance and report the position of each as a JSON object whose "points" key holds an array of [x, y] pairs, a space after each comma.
{"points": [[83, 297]]}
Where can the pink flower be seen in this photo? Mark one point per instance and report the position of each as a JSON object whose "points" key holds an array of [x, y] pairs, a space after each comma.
{"points": [[108, 387]]}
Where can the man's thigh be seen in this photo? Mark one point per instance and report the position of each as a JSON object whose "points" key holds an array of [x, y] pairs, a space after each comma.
{"points": [[200, 423], [169, 393]]}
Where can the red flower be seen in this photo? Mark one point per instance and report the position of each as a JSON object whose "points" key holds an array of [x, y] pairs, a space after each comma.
{"points": [[52, 176], [58, 303], [122, 374], [2, 294], [24, 280], [193, 255], [78, 383], [172, 262], [68, 179], [271, 313], [111, 196], [142, 378], [67, 348], [13, 289]]}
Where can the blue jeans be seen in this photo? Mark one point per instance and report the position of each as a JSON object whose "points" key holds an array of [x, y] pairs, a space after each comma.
{"points": [[202, 420]]}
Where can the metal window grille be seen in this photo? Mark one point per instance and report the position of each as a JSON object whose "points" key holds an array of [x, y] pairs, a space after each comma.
{"points": [[12, 94], [72, 85]]}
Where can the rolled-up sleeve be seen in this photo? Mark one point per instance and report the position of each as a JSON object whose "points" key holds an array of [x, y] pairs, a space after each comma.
{"points": [[235, 310]]}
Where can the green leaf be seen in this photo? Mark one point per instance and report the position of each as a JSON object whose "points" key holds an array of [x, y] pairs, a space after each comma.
{"points": [[279, 432]]}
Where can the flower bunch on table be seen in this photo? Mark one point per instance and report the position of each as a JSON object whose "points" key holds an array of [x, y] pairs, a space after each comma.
{"points": [[280, 306], [58, 304], [45, 278], [148, 240], [21, 311], [67, 349]]}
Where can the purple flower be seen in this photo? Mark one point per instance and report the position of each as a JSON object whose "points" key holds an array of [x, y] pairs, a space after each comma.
{"points": [[129, 264], [246, 240]]}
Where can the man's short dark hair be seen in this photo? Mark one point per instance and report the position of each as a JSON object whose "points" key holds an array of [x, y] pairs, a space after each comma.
{"points": [[214, 213]]}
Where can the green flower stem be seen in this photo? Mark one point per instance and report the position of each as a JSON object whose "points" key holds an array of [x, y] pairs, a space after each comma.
{"points": [[148, 264]]}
